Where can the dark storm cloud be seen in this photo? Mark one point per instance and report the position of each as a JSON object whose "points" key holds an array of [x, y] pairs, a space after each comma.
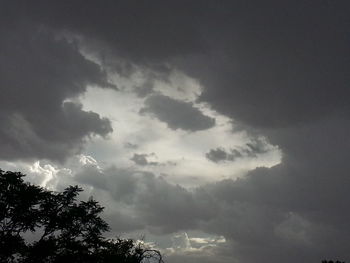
{"points": [[38, 72], [138, 30], [281, 68], [277, 65], [252, 58], [292, 209], [177, 114]]}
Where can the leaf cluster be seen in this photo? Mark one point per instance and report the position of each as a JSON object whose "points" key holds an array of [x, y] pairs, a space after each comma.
{"points": [[65, 230]]}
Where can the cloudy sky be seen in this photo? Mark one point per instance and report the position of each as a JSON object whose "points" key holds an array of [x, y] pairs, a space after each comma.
{"points": [[219, 130]]}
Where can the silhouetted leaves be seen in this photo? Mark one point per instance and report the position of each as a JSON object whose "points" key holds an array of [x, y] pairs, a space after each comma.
{"points": [[65, 230]]}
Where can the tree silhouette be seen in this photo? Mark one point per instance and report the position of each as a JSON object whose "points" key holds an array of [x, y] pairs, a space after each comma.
{"points": [[66, 230]]}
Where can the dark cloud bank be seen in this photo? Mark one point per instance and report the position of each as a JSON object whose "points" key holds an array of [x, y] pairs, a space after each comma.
{"points": [[38, 73], [280, 69]]}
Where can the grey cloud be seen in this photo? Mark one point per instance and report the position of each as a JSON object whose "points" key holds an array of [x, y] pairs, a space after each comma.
{"points": [[46, 138], [265, 64], [130, 145], [121, 223], [141, 159], [177, 114], [159, 205], [145, 89], [255, 147], [102, 186], [218, 254], [220, 154], [139, 32], [38, 72], [277, 65], [251, 149], [279, 68], [292, 209]]}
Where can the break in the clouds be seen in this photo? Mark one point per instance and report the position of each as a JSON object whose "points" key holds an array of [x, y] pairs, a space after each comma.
{"points": [[210, 79], [177, 114]]}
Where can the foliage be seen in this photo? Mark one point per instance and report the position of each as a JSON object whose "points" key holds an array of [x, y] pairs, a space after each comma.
{"points": [[66, 230]]}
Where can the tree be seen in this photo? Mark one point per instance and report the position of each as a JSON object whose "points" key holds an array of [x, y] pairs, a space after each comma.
{"points": [[66, 230]]}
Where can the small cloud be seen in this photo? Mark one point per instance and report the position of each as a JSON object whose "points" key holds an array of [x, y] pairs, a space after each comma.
{"points": [[141, 159], [144, 90], [177, 114], [252, 150], [220, 154], [130, 145], [256, 147]]}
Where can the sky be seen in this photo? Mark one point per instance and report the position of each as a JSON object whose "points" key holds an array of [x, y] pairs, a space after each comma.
{"points": [[217, 130]]}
